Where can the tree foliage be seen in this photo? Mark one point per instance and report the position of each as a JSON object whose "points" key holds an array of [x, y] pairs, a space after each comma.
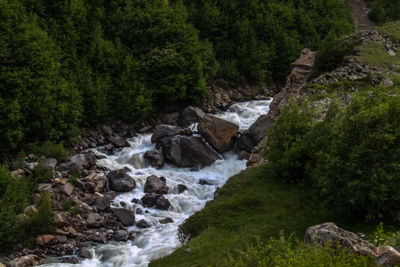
{"points": [[351, 157]]}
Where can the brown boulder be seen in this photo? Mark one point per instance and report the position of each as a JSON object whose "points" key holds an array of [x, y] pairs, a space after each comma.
{"points": [[190, 115], [218, 132], [164, 130], [156, 185], [155, 158], [258, 129], [387, 256], [44, 240]]}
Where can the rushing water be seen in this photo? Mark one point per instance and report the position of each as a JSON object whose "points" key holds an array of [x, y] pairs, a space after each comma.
{"points": [[162, 239]]}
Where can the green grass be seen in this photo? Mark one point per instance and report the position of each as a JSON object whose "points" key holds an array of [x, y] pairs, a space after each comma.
{"points": [[392, 29], [374, 53], [252, 204]]}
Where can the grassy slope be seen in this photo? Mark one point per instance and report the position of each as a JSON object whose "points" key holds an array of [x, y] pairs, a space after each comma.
{"points": [[252, 204]]}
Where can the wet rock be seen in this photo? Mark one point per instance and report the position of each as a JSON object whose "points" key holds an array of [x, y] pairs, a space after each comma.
{"points": [[26, 261], [387, 256], [205, 182], [329, 233], [164, 130], [143, 224], [126, 217], [181, 188], [145, 129], [155, 158], [109, 148], [187, 151], [136, 201], [85, 253], [258, 129], [123, 204], [190, 115], [121, 235], [67, 189], [44, 240], [70, 259], [162, 203], [139, 211], [166, 220], [120, 181], [119, 142], [246, 142], [50, 162], [156, 185], [94, 220], [218, 132]]}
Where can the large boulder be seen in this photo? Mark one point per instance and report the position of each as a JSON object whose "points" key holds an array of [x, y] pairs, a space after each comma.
{"points": [[156, 185], [44, 240], [50, 162], [26, 261], [155, 158], [258, 129], [155, 200], [330, 234], [218, 132], [187, 151], [126, 217], [118, 141], [190, 115], [98, 179], [387, 256], [121, 181], [95, 220], [85, 160], [164, 130], [246, 143]]}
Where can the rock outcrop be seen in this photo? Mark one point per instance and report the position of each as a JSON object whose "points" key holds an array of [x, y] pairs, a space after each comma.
{"points": [[330, 234]]}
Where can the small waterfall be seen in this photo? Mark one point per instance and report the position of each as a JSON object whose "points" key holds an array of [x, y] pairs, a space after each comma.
{"points": [[162, 239]]}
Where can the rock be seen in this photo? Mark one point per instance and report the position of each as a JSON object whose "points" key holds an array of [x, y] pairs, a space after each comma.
{"points": [[30, 210], [61, 238], [126, 217], [109, 148], [102, 203], [387, 256], [121, 235], [246, 142], [18, 173], [153, 200], [71, 167], [70, 259], [170, 118], [205, 182], [145, 129], [99, 180], [59, 220], [81, 159], [162, 203], [26, 261], [50, 162], [166, 220], [120, 181], [136, 201], [44, 187], [187, 151], [67, 189], [181, 188], [85, 253], [149, 200], [255, 159], [155, 185], [164, 130], [123, 204], [143, 224], [190, 115], [106, 130], [44, 240], [119, 142], [155, 158], [258, 129], [329, 233], [218, 132], [94, 220], [2, 264], [139, 211], [31, 165]]}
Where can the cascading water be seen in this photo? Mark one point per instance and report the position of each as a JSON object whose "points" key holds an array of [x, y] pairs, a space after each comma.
{"points": [[162, 239]]}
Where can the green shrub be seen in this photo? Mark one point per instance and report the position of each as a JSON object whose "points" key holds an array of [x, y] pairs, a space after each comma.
{"points": [[384, 238], [40, 174], [351, 157], [49, 150], [287, 251], [43, 221]]}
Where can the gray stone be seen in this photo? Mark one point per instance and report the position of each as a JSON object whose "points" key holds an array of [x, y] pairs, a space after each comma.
{"points": [[121, 235], [26, 261], [67, 189], [155, 185], [94, 220], [329, 233], [163, 130], [155, 158], [50, 162], [181, 188], [119, 142], [166, 220], [120, 181], [126, 217], [143, 224], [190, 115]]}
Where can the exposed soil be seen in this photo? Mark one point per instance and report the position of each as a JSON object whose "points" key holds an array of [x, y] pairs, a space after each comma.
{"points": [[360, 14]]}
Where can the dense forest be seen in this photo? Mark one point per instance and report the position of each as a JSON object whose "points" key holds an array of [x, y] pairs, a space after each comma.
{"points": [[70, 64], [384, 10]]}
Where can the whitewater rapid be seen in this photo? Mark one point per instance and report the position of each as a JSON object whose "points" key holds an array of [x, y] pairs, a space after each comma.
{"points": [[162, 239]]}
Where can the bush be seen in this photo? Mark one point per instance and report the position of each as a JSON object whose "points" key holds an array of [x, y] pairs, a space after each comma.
{"points": [[43, 221], [287, 251], [49, 150], [40, 174], [350, 157]]}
